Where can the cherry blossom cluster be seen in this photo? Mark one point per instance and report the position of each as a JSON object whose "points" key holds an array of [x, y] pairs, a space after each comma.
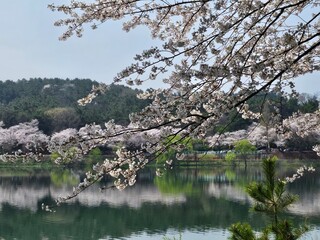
{"points": [[101, 88], [246, 113], [218, 54], [303, 125], [23, 141], [123, 169], [316, 148], [214, 55], [258, 134], [72, 144], [299, 125], [300, 172]]}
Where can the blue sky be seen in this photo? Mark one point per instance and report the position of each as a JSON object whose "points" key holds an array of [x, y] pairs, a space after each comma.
{"points": [[29, 47]]}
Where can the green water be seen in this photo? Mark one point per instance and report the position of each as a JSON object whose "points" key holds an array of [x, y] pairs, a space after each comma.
{"points": [[196, 203]]}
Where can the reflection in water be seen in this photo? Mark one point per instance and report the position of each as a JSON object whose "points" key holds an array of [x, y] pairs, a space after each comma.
{"points": [[195, 202]]}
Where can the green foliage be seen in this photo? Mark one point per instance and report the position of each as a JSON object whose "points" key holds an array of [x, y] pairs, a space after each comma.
{"points": [[230, 175], [174, 238], [285, 230], [270, 197], [244, 147], [308, 103], [24, 100], [95, 154], [68, 155], [169, 184], [63, 177], [230, 156], [54, 103], [298, 143], [241, 231], [61, 118], [207, 156], [54, 156], [233, 120], [170, 153]]}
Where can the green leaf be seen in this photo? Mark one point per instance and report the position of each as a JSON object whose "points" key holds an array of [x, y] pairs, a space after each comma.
{"points": [[241, 231]]}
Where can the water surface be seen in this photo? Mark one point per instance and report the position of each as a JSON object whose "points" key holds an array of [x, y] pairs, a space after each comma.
{"points": [[198, 203]]}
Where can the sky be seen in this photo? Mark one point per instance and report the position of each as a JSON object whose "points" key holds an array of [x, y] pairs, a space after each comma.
{"points": [[29, 47]]}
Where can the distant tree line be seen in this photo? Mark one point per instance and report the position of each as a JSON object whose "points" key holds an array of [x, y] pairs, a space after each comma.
{"points": [[272, 105], [53, 102]]}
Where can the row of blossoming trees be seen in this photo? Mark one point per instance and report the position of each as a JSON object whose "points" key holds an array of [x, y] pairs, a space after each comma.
{"points": [[299, 132], [214, 57], [25, 140]]}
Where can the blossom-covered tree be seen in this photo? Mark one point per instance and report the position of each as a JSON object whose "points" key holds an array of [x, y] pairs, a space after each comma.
{"points": [[23, 138], [302, 130], [215, 56], [261, 135], [227, 139]]}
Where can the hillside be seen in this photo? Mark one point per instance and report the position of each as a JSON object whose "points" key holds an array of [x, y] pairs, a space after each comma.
{"points": [[54, 103]]}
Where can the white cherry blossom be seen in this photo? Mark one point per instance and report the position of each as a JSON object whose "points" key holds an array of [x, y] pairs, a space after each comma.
{"points": [[214, 55]]}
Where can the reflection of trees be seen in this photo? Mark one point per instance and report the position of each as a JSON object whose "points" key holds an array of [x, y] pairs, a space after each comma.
{"points": [[198, 202], [170, 183], [23, 192], [60, 177], [83, 222]]}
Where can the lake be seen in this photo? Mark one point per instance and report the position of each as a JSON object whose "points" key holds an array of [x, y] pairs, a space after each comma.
{"points": [[196, 203]]}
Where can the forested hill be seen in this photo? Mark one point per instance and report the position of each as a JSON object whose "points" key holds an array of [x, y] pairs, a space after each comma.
{"points": [[54, 103]]}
